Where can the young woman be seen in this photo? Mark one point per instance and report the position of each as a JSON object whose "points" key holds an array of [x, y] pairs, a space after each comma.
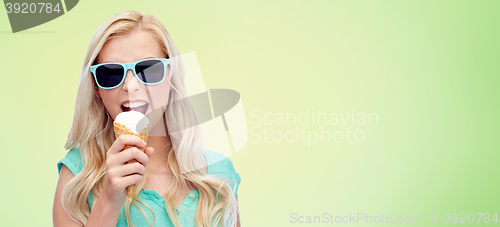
{"points": [[136, 66]]}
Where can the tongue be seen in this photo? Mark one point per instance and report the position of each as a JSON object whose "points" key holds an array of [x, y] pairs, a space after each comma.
{"points": [[141, 109]]}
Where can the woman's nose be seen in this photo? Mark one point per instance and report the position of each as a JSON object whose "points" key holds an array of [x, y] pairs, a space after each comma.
{"points": [[131, 83]]}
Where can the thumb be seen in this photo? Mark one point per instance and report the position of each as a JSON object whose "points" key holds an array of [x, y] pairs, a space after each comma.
{"points": [[149, 151]]}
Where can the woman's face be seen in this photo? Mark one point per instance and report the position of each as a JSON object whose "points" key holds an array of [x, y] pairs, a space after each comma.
{"points": [[133, 47]]}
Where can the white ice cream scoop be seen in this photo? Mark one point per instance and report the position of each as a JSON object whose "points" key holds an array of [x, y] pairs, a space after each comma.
{"points": [[135, 121]]}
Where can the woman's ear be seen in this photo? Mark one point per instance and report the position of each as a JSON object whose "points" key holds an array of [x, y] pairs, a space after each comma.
{"points": [[97, 92]]}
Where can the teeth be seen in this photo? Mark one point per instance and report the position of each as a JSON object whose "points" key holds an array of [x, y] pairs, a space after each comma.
{"points": [[134, 104]]}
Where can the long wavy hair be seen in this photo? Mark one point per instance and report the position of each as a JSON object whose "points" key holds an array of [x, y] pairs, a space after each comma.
{"points": [[92, 132]]}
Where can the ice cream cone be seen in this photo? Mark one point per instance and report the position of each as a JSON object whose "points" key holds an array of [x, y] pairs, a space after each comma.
{"points": [[121, 129], [135, 121]]}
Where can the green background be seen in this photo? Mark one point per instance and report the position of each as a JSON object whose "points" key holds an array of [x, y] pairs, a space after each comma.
{"points": [[429, 69]]}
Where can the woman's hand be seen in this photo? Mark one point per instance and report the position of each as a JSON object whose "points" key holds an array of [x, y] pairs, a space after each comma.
{"points": [[119, 175]]}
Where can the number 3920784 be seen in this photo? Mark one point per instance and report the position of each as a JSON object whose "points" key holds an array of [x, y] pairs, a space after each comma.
{"points": [[32, 8]]}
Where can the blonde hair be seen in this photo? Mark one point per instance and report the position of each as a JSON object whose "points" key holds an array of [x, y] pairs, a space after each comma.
{"points": [[92, 131]]}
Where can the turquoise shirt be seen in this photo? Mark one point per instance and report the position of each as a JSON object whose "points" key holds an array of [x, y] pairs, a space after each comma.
{"points": [[218, 165]]}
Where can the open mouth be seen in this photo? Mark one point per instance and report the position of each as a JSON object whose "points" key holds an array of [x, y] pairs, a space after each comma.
{"points": [[135, 106]]}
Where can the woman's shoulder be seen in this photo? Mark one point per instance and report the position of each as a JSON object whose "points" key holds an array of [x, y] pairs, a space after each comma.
{"points": [[73, 161], [217, 162], [219, 165]]}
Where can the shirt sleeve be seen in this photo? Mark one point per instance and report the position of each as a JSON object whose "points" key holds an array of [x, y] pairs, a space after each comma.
{"points": [[221, 166], [72, 160]]}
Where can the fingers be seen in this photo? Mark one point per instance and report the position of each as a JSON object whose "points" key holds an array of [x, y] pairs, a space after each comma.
{"points": [[132, 179], [129, 155], [119, 175], [122, 182], [129, 169], [123, 140], [149, 151]]}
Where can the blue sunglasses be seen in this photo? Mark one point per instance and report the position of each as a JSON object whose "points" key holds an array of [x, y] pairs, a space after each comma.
{"points": [[148, 71]]}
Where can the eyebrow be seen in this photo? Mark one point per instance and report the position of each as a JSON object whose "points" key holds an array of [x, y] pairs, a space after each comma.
{"points": [[137, 60]]}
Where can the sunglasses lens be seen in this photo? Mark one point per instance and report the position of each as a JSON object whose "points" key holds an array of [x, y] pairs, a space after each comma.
{"points": [[151, 71], [109, 75]]}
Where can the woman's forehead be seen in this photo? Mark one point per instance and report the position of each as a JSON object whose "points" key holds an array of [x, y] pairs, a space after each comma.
{"points": [[129, 48]]}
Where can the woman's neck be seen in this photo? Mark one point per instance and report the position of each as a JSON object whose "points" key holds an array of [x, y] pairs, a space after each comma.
{"points": [[160, 140], [158, 161]]}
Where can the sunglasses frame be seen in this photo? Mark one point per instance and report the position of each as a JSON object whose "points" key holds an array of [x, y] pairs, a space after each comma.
{"points": [[131, 66]]}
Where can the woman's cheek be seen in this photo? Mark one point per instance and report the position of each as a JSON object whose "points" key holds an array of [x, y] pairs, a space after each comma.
{"points": [[159, 96]]}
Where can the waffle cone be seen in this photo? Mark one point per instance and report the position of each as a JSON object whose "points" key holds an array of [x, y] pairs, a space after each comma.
{"points": [[121, 129]]}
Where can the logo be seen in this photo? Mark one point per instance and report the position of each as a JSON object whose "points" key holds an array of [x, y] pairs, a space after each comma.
{"points": [[220, 111], [26, 14]]}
